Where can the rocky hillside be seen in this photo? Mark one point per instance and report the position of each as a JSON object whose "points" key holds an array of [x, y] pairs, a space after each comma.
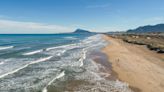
{"points": [[148, 29]]}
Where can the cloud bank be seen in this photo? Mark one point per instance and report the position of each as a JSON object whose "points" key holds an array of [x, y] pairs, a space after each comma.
{"points": [[9, 26]]}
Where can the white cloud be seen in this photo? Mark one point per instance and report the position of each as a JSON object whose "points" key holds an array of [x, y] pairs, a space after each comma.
{"points": [[31, 27]]}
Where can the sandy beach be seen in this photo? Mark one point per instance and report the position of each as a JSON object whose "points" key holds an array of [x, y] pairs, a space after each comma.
{"points": [[141, 68]]}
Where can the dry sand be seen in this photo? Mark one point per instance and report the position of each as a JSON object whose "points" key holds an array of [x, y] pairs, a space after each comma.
{"points": [[141, 68]]}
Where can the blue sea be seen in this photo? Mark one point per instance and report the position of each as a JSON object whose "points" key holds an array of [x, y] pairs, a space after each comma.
{"points": [[55, 63]]}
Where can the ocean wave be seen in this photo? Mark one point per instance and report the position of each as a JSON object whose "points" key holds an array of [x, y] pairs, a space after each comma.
{"points": [[57, 77], [71, 38], [1, 63], [81, 60], [33, 52], [63, 46], [73, 59], [82, 43], [6, 47], [33, 62], [60, 53]]}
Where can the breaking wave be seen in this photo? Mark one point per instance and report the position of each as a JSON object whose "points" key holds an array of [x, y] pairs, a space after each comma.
{"points": [[33, 52], [57, 77], [71, 38], [6, 47], [1, 63], [33, 62], [63, 46], [83, 57]]}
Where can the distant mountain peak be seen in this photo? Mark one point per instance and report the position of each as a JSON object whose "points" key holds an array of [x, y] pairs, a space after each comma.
{"points": [[81, 31]]}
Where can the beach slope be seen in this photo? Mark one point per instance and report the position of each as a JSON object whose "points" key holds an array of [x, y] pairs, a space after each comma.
{"points": [[141, 68]]}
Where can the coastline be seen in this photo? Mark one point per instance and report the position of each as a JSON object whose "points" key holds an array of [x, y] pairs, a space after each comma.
{"points": [[141, 68]]}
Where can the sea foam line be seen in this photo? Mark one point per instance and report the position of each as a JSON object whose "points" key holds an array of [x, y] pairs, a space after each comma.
{"points": [[1, 63], [34, 62], [63, 46], [33, 52], [72, 38], [81, 60], [7, 47], [60, 53], [57, 77]]}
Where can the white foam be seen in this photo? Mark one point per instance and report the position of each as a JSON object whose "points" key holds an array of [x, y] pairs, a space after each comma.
{"points": [[57, 77], [33, 52], [45, 89], [6, 47], [41, 60], [72, 38], [33, 62], [81, 60], [1, 63], [63, 46], [60, 53], [51, 48]]}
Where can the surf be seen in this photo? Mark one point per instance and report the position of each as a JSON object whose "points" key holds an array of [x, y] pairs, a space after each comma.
{"points": [[33, 62], [6, 47], [33, 52], [1, 63], [83, 57], [57, 77], [71, 38], [62, 46]]}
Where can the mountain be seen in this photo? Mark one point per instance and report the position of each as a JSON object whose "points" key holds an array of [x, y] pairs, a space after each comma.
{"points": [[148, 29], [81, 31]]}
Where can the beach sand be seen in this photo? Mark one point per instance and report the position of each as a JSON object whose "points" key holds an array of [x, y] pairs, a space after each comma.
{"points": [[141, 68]]}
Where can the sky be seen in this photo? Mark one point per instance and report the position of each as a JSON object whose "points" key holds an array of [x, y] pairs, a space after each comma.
{"points": [[58, 16]]}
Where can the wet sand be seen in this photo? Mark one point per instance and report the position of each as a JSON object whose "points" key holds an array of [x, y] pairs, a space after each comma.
{"points": [[141, 68], [101, 58], [72, 85]]}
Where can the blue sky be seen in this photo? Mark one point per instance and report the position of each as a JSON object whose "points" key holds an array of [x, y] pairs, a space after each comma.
{"points": [[57, 16]]}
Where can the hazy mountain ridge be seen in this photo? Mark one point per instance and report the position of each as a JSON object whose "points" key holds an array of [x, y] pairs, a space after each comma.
{"points": [[81, 31], [148, 29]]}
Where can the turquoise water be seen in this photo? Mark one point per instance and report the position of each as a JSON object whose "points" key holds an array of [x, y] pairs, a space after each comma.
{"points": [[51, 62], [30, 42]]}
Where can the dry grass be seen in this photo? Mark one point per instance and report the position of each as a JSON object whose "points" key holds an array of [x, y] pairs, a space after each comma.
{"points": [[153, 42]]}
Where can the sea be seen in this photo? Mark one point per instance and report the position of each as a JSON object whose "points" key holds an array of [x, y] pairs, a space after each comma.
{"points": [[56, 63]]}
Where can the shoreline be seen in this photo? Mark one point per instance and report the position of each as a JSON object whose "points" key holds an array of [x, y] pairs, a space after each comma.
{"points": [[106, 72], [141, 68]]}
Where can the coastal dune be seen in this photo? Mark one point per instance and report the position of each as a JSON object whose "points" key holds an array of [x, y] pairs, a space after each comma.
{"points": [[141, 68]]}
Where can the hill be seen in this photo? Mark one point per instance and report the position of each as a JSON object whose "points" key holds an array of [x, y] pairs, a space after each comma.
{"points": [[81, 31], [148, 29]]}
